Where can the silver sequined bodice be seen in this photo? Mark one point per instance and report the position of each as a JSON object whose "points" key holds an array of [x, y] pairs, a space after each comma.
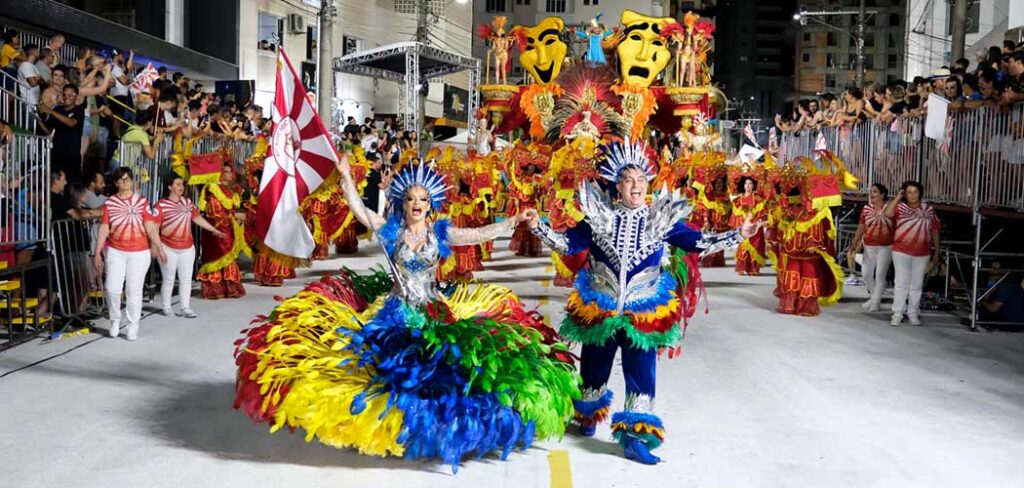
{"points": [[417, 270]]}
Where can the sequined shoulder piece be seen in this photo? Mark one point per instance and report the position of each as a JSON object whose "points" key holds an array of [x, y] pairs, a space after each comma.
{"points": [[667, 209]]}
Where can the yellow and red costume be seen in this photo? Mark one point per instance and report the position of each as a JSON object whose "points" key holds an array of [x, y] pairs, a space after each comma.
{"points": [[713, 209], [810, 275], [219, 273], [752, 207], [526, 167]]}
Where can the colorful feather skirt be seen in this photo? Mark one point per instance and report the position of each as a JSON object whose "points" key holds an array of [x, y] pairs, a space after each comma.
{"points": [[466, 376]]}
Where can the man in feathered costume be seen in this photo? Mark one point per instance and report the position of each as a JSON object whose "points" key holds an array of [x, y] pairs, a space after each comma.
{"points": [[624, 299]]}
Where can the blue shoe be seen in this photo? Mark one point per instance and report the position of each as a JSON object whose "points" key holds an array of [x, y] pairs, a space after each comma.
{"points": [[587, 430], [636, 450]]}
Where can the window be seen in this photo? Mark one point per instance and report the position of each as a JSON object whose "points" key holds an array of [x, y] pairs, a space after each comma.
{"points": [[807, 58], [497, 6], [830, 60], [893, 61], [896, 20], [522, 2], [350, 45], [555, 6], [893, 41], [869, 39], [832, 39], [830, 81], [807, 37], [269, 34]]}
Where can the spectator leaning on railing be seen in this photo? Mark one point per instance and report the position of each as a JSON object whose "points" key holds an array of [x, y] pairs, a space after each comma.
{"points": [[1014, 80]]}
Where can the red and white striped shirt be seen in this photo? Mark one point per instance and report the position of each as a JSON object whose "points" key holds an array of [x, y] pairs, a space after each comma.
{"points": [[914, 228], [878, 227], [127, 218], [176, 222]]}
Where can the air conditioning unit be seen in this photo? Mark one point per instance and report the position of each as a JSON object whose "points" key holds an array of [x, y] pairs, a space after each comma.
{"points": [[296, 24]]}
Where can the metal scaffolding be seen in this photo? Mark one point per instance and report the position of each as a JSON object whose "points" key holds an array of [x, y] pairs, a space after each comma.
{"points": [[412, 64]]}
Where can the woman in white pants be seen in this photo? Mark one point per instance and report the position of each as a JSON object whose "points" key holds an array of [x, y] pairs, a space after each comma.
{"points": [[129, 235], [915, 249], [874, 235], [176, 214]]}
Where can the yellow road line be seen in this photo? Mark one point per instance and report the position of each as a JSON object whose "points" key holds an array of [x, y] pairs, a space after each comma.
{"points": [[561, 474]]}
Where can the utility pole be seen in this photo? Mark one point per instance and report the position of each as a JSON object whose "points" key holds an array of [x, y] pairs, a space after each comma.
{"points": [[325, 64], [959, 30], [422, 37], [862, 19]]}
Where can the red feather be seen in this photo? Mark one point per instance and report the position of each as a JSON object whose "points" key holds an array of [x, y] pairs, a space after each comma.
{"points": [[485, 31], [671, 29], [521, 38]]}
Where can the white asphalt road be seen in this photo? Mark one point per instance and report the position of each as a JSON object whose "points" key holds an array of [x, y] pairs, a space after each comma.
{"points": [[757, 400]]}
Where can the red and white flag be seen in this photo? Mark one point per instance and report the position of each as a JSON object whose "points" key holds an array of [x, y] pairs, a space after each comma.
{"points": [[300, 157], [143, 81]]}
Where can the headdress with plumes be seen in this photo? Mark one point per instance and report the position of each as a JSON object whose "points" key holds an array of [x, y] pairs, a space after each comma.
{"points": [[620, 156], [419, 175]]}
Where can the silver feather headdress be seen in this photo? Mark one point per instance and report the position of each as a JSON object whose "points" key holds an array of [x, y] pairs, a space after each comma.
{"points": [[422, 174], [619, 156]]}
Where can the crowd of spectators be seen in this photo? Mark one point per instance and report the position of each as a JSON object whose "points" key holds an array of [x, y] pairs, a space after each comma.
{"points": [[995, 80], [87, 106]]}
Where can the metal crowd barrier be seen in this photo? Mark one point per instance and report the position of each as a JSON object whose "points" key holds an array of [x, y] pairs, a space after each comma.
{"points": [[24, 190], [14, 109], [24, 226], [68, 53], [76, 278], [980, 161]]}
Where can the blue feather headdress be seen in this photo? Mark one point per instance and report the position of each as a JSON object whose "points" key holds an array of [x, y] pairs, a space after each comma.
{"points": [[422, 174], [619, 156]]}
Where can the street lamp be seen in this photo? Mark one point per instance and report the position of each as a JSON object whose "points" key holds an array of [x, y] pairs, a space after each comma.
{"points": [[862, 16]]}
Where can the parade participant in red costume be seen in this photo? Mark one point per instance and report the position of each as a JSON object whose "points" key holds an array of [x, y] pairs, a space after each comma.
{"points": [[268, 267], [809, 274], [748, 205], [221, 204], [712, 212], [525, 188]]}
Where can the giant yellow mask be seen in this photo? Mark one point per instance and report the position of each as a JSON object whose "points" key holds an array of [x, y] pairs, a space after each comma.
{"points": [[643, 53], [544, 51]]}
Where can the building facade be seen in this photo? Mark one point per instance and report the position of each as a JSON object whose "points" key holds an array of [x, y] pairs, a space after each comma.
{"points": [[826, 47], [930, 31], [753, 61]]}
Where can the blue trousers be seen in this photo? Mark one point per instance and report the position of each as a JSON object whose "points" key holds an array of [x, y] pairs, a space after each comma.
{"points": [[638, 366]]}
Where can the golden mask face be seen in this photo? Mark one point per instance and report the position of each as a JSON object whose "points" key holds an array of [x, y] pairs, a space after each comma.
{"points": [[544, 51], [642, 52]]}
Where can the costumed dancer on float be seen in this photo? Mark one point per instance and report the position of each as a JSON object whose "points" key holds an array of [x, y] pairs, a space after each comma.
{"points": [[221, 204], [624, 299], [749, 205], [595, 34], [396, 367]]}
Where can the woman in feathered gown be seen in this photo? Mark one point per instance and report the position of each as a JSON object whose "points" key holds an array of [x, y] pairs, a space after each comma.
{"points": [[398, 366]]}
